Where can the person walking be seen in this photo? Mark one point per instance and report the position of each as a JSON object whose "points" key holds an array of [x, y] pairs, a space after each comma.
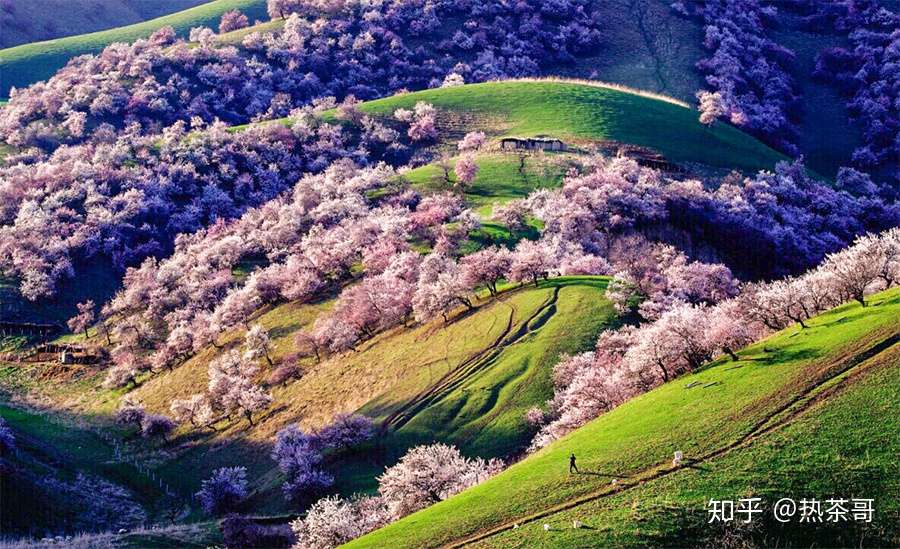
{"points": [[572, 466]]}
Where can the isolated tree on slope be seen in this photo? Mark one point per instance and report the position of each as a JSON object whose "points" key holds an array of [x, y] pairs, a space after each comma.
{"points": [[485, 267], [711, 107], [440, 289], [155, 425], [83, 320], [428, 474], [224, 490], [471, 142], [298, 455], [232, 387], [257, 344], [233, 20], [466, 169], [332, 521], [532, 261], [127, 367], [347, 430], [196, 410]]}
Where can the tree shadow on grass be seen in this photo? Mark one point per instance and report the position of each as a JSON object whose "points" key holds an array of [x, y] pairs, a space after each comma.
{"points": [[779, 356], [599, 474]]}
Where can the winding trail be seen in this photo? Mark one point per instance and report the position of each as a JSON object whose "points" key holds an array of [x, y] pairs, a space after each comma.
{"points": [[475, 363], [837, 372]]}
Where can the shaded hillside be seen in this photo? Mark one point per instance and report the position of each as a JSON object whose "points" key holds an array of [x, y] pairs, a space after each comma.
{"points": [[468, 382], [26, 21], [28, 63]]}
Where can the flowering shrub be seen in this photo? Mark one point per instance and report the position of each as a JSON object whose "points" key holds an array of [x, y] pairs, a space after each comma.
{"points": [[224, 490]]}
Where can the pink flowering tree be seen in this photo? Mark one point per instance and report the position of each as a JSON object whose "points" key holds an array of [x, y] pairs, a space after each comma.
{"points": [[428, 474], [83, 320], [332, 521], [233, 20], [195, 409], [471, 142], [466, 169], [257, 344], [485, 268], [532, 261]]}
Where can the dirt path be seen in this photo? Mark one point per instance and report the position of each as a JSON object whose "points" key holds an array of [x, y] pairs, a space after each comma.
{"points": [[475, 363], [822, 389]]}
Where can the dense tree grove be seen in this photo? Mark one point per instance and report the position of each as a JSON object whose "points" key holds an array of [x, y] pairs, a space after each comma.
{"points": [[422, 477], [867, 72], [769, 225], [94, 180], [127, 198], [326, 48], [617, 218], [309, 239], [632, 360], [746, 70]]}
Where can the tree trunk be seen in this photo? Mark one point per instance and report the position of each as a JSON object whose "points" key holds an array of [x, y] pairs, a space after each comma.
{"points": [[664, 371], [730, 353]]}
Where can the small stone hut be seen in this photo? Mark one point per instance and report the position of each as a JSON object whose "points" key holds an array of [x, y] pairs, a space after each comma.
{"points": [[532, 144]]}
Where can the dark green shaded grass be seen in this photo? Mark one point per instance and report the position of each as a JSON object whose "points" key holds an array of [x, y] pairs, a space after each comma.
{"points": [[49, 448]]}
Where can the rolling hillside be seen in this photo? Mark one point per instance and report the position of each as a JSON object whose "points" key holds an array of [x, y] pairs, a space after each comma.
{"points": [[28, 63], [646, 46], [469, 382], [786, 420], [584, 114], [26, 21]]}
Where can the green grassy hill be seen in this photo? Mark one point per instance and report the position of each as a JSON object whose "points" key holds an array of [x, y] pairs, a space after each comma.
{"points": [[28, 63], [584, 114], [793, 417], [36, 20]]}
